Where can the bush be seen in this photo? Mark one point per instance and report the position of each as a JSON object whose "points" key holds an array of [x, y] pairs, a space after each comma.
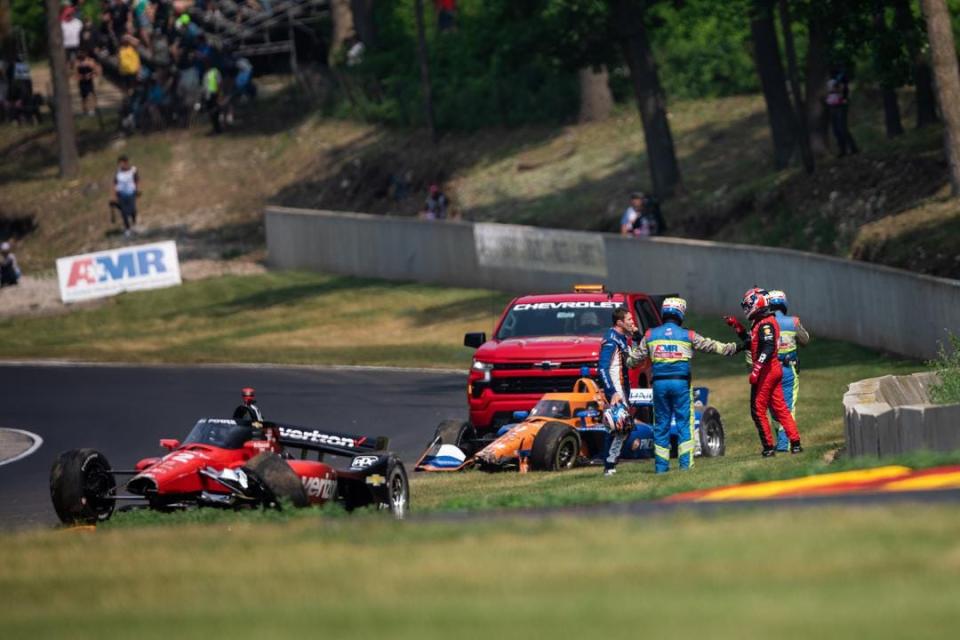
{"points": [[947, 366]]}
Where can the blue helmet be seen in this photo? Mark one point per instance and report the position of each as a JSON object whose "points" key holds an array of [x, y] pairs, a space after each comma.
{"points": [[676, 307], [776, 299]]}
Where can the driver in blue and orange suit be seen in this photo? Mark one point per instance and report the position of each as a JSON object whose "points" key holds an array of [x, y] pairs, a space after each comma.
{"points": [[766, 374], [616, 384], [670, 349], [792, 335]]}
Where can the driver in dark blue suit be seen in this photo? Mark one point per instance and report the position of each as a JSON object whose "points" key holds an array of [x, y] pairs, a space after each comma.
{"points": [[616, 383]]}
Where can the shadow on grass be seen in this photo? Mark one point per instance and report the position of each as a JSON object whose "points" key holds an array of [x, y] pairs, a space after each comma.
{"points": [[491, 303], [285, 296]]}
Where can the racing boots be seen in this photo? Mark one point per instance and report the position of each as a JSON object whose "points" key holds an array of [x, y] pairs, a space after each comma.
{"points": [[795, 447], [768, 452]]}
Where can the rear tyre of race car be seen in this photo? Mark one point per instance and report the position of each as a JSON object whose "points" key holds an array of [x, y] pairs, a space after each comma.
{"points": [[713, 442], [397, 496], [277, 479], [82, 487], [460, 434], [555, 447]]}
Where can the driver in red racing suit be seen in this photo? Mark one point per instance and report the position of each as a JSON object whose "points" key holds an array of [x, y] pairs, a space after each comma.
{"points": [[766, 392]]}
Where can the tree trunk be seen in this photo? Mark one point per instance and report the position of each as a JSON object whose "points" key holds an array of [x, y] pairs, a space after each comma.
{"points": [[891, 108], [425, 71], [926, 100], [363, 21], [341, 15], [806, 152], [62, 108], [596, 101], [922, 75], [817, 74], [943, 52], [664, 170], [6, 32], [766, 52]]}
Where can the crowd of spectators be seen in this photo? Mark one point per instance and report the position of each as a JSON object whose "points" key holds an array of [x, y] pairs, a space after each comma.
{"points": [[168, 70]]}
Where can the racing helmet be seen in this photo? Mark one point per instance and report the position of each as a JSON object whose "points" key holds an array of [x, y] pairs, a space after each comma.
{"points": [[755, 303], [676, 307], [777, 300]]}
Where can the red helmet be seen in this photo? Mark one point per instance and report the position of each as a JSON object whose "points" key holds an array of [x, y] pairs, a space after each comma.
{"points": [[755, 303]]}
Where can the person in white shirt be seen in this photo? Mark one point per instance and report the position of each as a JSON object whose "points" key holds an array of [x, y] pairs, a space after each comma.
{"points": [[126, 187], [71, 26]]}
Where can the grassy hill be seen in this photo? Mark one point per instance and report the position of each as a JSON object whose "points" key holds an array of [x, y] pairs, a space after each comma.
{"points": [[889, 204]]}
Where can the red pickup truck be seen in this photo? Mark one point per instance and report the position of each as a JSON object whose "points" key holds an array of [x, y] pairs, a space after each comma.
{"points": [[540, 345]]}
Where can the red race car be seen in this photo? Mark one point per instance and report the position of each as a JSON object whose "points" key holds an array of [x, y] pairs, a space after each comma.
{"points": [[243, 461]]}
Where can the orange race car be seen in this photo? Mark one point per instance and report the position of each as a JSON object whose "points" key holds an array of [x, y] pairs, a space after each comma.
{"points": [[562, 430]]}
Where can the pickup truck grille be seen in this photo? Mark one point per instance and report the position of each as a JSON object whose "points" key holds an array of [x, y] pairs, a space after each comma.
{"points": [[554, 364], [537, 384]]}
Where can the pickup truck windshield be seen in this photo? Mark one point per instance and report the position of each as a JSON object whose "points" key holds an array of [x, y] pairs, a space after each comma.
{"points": [[557, 319]]}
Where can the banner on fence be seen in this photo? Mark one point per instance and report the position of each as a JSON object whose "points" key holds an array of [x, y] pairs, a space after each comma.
{"points": [[107, 273]]}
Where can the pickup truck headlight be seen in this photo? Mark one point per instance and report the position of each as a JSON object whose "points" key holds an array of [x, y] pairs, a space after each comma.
{"points": [[483, 367]]}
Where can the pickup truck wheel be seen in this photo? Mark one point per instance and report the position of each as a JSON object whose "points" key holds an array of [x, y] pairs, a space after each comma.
{"points": [[555, 447], [460, 434], [82, 487], [278, 479], [712, 439]]}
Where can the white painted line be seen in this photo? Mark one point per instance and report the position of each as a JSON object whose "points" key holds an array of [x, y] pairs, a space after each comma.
{"points": [[37, 441], [225, 365]]}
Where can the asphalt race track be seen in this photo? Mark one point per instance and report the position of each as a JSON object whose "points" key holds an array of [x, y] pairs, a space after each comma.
{"points": [[123, 411]]}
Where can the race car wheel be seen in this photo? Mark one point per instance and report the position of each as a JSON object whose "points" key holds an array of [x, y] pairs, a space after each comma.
{"points": [[555, 447], [460, 434], [397, 490], [82, 487], [712, 440], [277, 479]]}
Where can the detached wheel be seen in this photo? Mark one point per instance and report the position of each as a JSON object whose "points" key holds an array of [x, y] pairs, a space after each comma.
{"points": [[82, 487], [277, 479], [460, 434], [397, 496], [712, 439], [555, 447]]}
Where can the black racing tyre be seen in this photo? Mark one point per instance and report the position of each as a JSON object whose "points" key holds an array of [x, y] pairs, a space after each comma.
{"points": [[459, 434], [397, 498], [82, 487], [712, 439], [278, 479], [555, 447]]}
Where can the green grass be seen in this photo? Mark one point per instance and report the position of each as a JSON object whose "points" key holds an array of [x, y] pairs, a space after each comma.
{"points": [[290, 318], [890, 572]]}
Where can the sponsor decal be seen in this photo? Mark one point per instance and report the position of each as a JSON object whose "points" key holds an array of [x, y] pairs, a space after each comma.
{"points": [[322, 488], [580, 304], [107, 273], [512, 247], [376, 480], [362, 462], [319, 437], [641, 396]]}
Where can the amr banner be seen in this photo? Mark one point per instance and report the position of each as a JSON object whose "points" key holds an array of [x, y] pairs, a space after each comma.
{"points": [[536, 249], [107, 273]]}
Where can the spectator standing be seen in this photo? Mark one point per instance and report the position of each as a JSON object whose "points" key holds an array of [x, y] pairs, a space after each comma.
{"points": [[126, 187], [87, 72], [119, 16], [651, 209], [838, 103], [212, 81], [446, 14], [71, 26], [632, 221], [9, 269], [435, 207], [129, 63]]}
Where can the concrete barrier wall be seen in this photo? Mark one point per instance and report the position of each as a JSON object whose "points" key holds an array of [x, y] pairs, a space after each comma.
{"points": [[874, 306], [892, 415]]}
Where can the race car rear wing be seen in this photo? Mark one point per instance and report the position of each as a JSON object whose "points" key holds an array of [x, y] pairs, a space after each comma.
{"points": [[333, 442]]}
